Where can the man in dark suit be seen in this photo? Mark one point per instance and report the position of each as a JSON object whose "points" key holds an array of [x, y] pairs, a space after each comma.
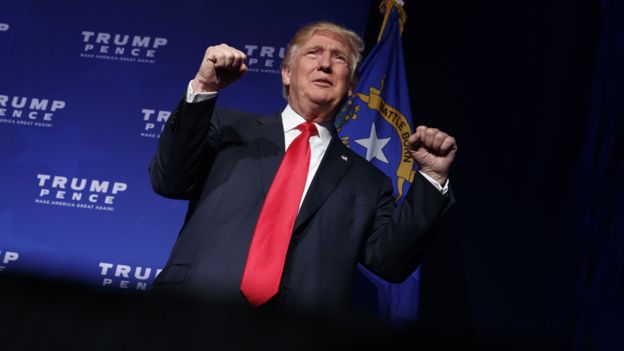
{"points": [[263, 222]]}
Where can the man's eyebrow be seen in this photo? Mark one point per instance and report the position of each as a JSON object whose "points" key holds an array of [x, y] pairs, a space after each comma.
{"points": [[338, 51], [313, 47], [332, 50]]}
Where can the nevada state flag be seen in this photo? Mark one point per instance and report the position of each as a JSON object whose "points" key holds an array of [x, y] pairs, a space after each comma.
{"points": [[376, 123]]}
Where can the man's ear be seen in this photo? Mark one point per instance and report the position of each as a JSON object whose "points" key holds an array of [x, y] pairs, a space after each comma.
{"points": [[285, 75], [352, 86], [350, 91]]}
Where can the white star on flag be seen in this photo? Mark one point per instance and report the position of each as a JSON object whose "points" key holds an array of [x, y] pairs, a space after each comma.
{"points": [[374, 146]]}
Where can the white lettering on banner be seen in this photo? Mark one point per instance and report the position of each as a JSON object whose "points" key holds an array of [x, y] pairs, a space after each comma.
{"points": [[6, 258], [126, 277], [264, 58], [29, 111], [121, 47], [4, 27], [92, 194], [154, 122]]}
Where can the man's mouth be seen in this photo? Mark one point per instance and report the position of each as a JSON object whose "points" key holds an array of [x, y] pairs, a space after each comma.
{"points": [[323, 82]]}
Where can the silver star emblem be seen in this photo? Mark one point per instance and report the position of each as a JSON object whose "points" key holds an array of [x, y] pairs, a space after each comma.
{"points": [[374, 146]]}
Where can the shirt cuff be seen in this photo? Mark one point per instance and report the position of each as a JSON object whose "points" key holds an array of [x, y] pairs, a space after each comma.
{"points": [[192, 97], [443, 189]]}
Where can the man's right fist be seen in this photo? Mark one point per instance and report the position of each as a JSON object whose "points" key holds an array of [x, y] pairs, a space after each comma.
{"points": [[222, 65]]}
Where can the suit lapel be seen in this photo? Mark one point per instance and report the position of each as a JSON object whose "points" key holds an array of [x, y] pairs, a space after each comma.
{"points": [[331, 170], [270, 147]]}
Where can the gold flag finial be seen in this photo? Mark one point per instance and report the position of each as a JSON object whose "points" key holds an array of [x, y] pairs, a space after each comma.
{"points": [[385, 8]]}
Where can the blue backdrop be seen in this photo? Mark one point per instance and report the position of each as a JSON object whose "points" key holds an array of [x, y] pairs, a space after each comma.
{"points": [[85, 89]]}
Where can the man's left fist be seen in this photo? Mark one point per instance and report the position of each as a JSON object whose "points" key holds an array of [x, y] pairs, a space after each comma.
{"points": [[433, 151]]}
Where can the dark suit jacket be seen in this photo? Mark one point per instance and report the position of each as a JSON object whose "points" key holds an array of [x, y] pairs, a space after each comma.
{"points": [[224, 163]]}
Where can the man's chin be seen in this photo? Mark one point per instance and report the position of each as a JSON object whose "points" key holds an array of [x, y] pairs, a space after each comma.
{"points": [[326, 102]]}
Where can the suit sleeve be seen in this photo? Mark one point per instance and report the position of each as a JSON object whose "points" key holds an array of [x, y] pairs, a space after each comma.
{"points": [[185, 150], [400, 234]]}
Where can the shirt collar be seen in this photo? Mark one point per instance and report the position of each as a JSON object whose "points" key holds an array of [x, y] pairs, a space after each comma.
{"points": [[291, 119]]}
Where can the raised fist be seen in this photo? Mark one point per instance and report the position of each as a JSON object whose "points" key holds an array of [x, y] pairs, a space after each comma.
{"points": [[434, 152], [222, 65]]}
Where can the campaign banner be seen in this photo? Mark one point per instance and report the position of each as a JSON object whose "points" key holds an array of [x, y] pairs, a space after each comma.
{"points": [[85, 90]]}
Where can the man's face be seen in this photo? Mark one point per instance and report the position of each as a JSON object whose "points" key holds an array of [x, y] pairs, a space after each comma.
{"points": [[318, 76]]}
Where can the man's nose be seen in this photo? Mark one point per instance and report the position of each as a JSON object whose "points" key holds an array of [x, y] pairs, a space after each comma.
{"points": [[325, 62]]}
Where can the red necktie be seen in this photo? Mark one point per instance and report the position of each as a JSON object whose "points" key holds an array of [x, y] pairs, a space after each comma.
{"points": [[267, 254]]}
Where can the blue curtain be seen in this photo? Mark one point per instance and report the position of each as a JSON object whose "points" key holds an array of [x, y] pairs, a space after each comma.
{"points": [[597, 218]]}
